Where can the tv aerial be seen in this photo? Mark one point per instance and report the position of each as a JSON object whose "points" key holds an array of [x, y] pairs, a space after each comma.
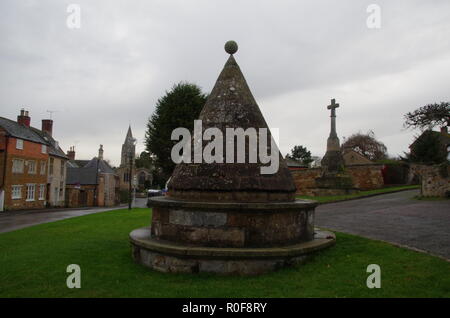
{"points": [[51, 112]]}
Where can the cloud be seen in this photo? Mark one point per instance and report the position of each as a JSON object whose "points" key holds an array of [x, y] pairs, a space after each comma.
{"points": [[296, 55]]}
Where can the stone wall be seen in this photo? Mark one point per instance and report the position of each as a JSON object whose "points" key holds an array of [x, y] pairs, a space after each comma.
{"points": [[435, 180], [80, 196], [305, 180], [364, 177]]}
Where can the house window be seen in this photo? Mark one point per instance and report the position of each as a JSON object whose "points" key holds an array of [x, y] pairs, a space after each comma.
{"points": [[42, 192], [31, 166], [19, 144], [16, 192], [44, 149], [31, 189], [50, 170], [43, 165], [17, 166], [62, 168]]}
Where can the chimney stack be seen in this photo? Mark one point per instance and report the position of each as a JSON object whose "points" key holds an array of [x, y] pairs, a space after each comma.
{"points": [[71, 153], [444, 130], [47, 126], [23, 118], [100, 152]]}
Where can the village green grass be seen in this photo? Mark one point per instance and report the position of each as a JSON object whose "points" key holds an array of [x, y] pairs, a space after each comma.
{"points": [[33, 263], [361, 194]]}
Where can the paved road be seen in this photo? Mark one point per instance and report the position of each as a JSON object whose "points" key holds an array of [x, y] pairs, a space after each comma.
{"points": [[14, 220], [395, 218]]}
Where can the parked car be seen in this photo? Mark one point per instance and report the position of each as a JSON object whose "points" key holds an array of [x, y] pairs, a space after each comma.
{"points": [[153, 193]]}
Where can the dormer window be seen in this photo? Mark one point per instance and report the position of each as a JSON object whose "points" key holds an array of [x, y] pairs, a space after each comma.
{"points": [[19, 144]]}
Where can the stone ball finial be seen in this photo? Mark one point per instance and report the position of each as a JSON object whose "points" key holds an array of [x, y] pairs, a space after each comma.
{"points": [[231, 47]]}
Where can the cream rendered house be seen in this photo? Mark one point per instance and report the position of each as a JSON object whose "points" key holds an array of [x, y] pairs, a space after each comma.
{"points": [[56, 167]]}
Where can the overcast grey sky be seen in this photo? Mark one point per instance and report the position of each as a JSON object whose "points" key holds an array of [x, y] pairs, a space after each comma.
{"points": [[295, 55]]}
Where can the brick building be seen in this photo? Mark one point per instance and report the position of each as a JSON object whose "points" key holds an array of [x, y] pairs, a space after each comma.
{"points": [[23, 165], [32, 165], [91, 182]]}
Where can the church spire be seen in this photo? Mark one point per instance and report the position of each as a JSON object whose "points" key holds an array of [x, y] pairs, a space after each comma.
{"points": [[129, 134], [127, 148]]}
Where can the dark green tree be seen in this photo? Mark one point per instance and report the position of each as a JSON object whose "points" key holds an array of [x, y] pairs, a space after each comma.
{"points": [[429, 116], [144, 160], [301, 154], [177, 108], [428, 149]]}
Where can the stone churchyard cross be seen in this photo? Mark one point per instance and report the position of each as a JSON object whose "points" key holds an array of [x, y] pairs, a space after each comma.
{"points": [[333, 107], [334, 180]]}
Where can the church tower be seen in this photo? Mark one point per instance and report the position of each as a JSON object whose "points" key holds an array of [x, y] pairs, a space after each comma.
{"points": [[127, 148]]}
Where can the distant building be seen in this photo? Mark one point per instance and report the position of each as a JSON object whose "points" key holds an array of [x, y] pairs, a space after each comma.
{"points": [[128, 154], [27, 155], [443, 136], [91, 182], [140, 177], [295, 164], [56, 174], [351, 158]]}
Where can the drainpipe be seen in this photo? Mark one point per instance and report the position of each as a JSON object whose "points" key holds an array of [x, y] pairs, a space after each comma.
{"points": [[129, 180], [4, 172], [6, 157]]}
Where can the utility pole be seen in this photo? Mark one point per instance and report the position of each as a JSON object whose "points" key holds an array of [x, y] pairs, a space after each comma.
{"points": [[129, 179]]}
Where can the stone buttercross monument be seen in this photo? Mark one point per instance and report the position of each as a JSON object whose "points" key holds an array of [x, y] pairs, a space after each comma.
{"points": [[228, 218]]}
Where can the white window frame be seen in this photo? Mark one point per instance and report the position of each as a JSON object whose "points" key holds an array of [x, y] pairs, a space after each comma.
{"points": [[42, 192], [15, 168], [16, 192], [56, 198], [19, 144], [44, 149], [32, 163], [31, 192], [51, 166], [43, 167]]}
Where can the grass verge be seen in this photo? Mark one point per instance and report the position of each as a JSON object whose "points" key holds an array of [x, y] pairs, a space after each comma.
{"points": [[33, 263], [361, 194]]}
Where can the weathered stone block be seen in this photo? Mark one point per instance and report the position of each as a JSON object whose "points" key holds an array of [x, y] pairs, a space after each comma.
{"points": [[233, 237], [197, 218]]}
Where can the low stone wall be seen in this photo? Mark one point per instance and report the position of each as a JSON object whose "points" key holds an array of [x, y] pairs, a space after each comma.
{"points": [[364, 177], [305, 180], [435, 180]]}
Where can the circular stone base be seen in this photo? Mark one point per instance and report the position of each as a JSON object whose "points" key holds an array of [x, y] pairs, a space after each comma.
{"points": [[166, 256]]}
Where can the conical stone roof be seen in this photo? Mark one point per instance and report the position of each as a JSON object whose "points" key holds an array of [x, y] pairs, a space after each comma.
{"points": [[232, 105]]}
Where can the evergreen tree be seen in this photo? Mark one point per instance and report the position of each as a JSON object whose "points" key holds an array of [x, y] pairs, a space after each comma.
{"points": [[301, 154], [428, 149], [177, 108]]}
